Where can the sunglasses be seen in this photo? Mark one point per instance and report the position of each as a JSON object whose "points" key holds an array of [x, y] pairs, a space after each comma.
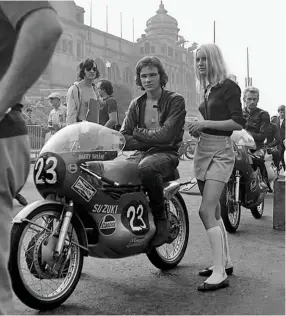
{"points": [[89, 68], [51, 99]]}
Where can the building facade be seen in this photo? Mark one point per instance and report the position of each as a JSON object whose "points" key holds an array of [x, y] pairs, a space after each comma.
{"points": [[116, 57]]}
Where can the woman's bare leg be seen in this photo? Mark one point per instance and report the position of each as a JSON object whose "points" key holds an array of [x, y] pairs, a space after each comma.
{"points": [[211, 195]]}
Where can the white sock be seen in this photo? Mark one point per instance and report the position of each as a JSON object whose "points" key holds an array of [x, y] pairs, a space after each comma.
{"points": [[225, 240], [216, 242]]}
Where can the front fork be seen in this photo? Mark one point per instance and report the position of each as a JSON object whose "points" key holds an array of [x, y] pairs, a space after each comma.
{"points": [[236, 186], [64, 230]]}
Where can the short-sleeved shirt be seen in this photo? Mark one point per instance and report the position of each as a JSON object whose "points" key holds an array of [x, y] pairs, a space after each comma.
{"points": [[58, 116], [12, 14], [109, 105], [223, 103]]}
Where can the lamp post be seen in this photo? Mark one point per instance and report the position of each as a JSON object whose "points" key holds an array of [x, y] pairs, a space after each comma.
{"points": [[108, 65]]}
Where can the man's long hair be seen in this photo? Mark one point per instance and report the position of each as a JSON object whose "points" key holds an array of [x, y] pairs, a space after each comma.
{"points": [[86, 64], [151, 61]]}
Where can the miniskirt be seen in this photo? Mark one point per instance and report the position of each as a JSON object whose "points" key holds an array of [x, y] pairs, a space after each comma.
{"points": [[214, 158]]}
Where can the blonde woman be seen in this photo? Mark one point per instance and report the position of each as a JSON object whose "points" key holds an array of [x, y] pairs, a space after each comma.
{"points": [[214, 155]]}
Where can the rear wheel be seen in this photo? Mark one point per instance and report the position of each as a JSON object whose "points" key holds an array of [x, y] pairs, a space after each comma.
{"points": [[230, 211], [171, 253], [39, 281]]}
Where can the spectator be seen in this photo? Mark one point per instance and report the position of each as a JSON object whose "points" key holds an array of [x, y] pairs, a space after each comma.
{"points": [[273, 142], [82, 95], [257, 120], [108, 115], [28, 116], [30, 31], [214, 156], [281, 128], [57, 116]]}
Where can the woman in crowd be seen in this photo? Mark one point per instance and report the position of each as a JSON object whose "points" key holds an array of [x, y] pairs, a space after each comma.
{"points": [[214, 156]]}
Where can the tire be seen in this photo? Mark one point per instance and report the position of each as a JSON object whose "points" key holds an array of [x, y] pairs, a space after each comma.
{"points": [[228, 209], [155, 255], [22, 289], [257, 211], [190, 151]]}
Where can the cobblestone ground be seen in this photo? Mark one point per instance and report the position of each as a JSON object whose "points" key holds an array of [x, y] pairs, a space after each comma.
{"points": [[134, 286]]}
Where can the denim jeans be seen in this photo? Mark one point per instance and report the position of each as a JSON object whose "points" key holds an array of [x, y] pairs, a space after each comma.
{"points": [[153, 169]]}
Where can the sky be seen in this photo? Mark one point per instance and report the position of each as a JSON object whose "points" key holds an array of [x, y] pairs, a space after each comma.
{"points": [[259, 25]]}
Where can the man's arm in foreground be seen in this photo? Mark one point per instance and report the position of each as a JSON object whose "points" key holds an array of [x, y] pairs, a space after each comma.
{"points": [[38, 36]]}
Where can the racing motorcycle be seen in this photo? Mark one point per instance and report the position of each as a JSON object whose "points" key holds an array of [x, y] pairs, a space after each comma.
{"points": [[247, 185], [94, 204]]}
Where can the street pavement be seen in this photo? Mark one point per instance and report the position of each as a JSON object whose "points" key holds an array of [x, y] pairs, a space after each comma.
{"points": [[134, 286]]}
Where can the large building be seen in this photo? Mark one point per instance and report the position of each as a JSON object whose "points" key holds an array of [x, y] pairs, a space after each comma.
{"points": [[117, 57]]}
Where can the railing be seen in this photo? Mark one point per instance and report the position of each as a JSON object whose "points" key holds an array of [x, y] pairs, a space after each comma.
{"points": [[37, 140]]}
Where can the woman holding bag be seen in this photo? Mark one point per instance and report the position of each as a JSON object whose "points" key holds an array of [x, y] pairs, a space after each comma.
{"points": [[214, 156]]}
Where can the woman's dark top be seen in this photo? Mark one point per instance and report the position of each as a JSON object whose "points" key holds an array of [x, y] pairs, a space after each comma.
{"points": [[223, 103]]}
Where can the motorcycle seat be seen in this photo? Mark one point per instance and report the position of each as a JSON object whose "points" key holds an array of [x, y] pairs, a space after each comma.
{"points": [[123, 171]]}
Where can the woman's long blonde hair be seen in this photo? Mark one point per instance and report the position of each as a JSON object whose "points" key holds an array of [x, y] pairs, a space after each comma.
{"points": [[215, 67]]}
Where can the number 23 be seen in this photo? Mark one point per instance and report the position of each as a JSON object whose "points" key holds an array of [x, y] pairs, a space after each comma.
{"points": [[51, 170], [138, 213]]}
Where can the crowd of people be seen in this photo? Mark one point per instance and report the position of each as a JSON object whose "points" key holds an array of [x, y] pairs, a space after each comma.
{"points": [[153, 126]]}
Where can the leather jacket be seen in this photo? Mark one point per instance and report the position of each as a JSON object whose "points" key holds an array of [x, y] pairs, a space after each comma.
{"points": [[167, 137], [257, 122]]}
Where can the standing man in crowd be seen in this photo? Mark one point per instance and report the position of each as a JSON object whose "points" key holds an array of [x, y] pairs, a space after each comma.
{"points": [[281, 128], [58, 115], [108, 114], [257, 120], [154, 127], [29, 32], [82, 96]]}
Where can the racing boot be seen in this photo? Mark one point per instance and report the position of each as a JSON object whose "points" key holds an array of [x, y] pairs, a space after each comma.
{"points": [[21, 199], [162, 228]]}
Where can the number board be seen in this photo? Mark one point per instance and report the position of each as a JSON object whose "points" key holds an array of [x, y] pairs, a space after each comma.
{"points": [[135, 218], [49, 170]]}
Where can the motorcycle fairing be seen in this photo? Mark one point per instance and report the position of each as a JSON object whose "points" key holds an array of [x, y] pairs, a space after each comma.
{"points": [[126, 230]]}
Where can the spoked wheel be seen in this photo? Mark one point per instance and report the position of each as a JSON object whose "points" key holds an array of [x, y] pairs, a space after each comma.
{"points": [[190, 151], [171, 253], [38, 280], [230, 211], [257, 211]]}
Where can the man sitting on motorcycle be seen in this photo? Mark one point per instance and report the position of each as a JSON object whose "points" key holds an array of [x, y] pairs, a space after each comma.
{"points": [[257, 122], [154, 127]]}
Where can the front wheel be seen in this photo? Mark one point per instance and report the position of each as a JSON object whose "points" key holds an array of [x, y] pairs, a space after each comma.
{"points": [[230, 211], [171, 253], [257, 211], [39, 281]]}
